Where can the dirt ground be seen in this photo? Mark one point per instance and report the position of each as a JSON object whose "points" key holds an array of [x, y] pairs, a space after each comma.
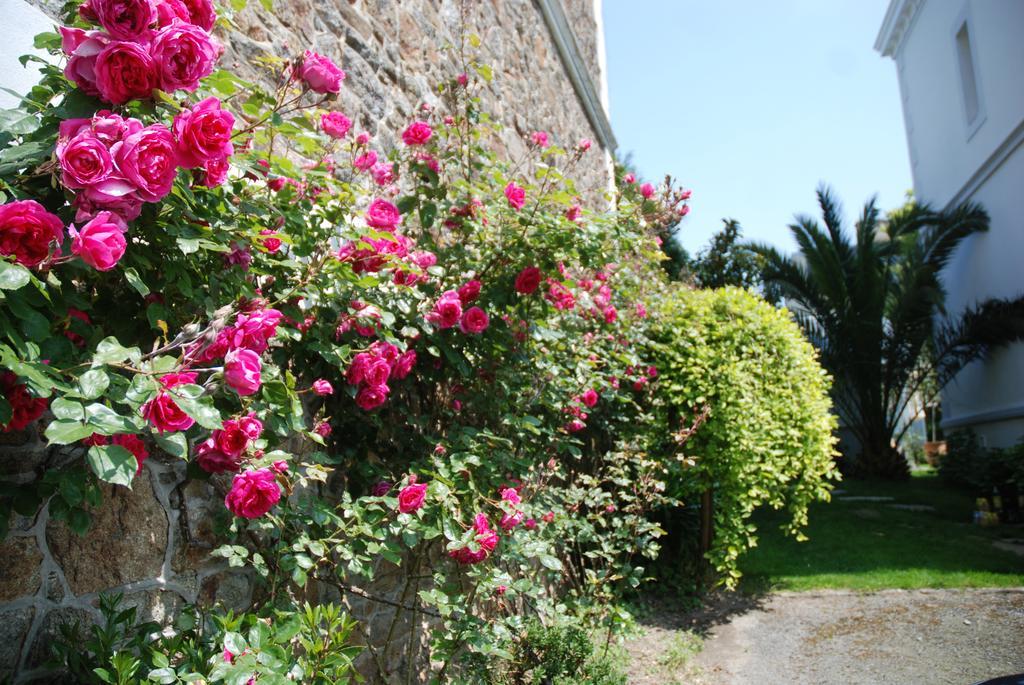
{"points": [[957, 637]]}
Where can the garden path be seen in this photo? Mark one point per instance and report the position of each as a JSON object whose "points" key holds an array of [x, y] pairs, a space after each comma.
{"points": [[893, 636]]}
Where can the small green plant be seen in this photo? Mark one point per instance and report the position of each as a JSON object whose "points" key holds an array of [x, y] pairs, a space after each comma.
{"points": [[310, 644], [681, 650]]}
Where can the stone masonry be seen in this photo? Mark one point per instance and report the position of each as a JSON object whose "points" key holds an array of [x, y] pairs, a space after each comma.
{"points": [[152, 543]]}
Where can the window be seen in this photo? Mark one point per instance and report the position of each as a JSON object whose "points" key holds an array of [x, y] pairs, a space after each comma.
{"points": [[968, 78]]}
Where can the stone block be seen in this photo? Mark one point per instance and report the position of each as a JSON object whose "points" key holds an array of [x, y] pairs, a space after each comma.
{"points": [[14, 627], [20, 559], [125, 543]]}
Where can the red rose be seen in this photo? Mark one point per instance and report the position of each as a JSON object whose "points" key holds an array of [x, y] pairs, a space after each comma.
{"points": [[528, 280], [411, 497], [27, 230], [24, 408]]}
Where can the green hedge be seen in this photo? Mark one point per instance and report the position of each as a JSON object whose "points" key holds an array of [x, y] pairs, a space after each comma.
{"points": [[769, 437]]}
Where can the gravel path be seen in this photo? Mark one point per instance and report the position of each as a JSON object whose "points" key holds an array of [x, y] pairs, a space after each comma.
{"points": [[921, 636]]}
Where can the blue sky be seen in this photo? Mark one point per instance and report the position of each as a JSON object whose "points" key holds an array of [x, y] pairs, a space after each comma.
{"points": [[752, 103]]}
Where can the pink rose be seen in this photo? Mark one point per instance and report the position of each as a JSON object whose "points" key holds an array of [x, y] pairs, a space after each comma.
{"points": [[485, 538], [124, 19], [403, 365], [584, 144], [203, 133], [124, 71], [510, 521], [335, 124], [540, 139], [647, 190], [213, 460], [417, 133], [169, 11], [322, 387], [100, 243], [253, 493], [148, 160], [383, 173], [201, 13], [510, 495], [469, 291], [183, 55], [320, 73], [365, 161], [629, 178], [610, 314], [423, 259], [254, 330], [323, 429], [447, 310], [84, 160], [528, 280], [82, 49], [381, 488], [215, 172], [242, 371], [516, 196], [474, 321], [27, 230], [370, 397], [652, 371], [410, 498], [383, 215], [162, 412], [590, 397]]}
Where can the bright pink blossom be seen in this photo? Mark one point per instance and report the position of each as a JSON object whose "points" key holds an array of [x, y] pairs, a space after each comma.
{"points": [[162, 412], [647, 190], [203, 133], [124, 19], [383, 215], [253, 493], [242, 371], [148, 161], [100, 242], [370, 397], [335, 124], [411, 497], [122, 71], [590, 397], [323, 387], [474, 320], [417, 133], [540, 139], [320, 73], [183, 55], [515, 195], [447, 310], [468, 292]]}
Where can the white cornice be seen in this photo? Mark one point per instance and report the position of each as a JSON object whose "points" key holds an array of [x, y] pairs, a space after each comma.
{"points": [[576, 68], [894, 27]]}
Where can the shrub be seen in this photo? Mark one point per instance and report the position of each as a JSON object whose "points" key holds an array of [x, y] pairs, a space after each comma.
{"points": [[768, 437]]}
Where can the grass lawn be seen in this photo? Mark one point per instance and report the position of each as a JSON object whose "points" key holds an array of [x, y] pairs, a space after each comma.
{"points": [[871, 546]]}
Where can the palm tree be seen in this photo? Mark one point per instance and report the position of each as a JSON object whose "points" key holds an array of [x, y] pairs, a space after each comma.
{"points": [[874, 309]]}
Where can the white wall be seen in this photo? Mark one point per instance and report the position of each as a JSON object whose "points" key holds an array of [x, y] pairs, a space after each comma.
{"points": [[953, 160], [21, 23]]}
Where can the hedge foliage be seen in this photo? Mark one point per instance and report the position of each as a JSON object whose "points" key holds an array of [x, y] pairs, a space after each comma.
{"points": [[768, 439]]}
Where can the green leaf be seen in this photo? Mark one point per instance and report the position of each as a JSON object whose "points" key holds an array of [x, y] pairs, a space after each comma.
{"points": [[175, 444], [110, 351], [163, 675], [13, 276], [200, 407], [550, 562], [136, 282], [66, 410], [234, 643], [66, 432], [113, 463], [93, 383], [107, 421], [428, 213]]}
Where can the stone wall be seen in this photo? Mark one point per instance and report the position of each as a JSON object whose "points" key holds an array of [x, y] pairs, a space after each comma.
{"points": [[152, 543]]}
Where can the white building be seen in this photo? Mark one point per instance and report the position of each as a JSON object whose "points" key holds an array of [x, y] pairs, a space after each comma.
{"points": [[961, 74]]}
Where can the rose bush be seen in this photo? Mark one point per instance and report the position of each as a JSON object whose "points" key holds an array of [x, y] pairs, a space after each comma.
{"points": [[228, 275]]}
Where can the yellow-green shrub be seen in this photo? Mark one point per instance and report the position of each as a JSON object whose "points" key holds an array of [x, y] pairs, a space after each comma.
{"points": [[769, 437]]}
